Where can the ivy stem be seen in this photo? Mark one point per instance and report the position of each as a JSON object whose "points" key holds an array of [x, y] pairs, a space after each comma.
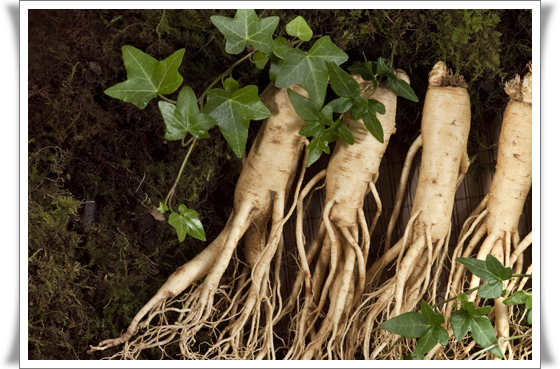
{"points": [[221, 76], [168, 100], [500, 340], [455, 297], [172, 191]]}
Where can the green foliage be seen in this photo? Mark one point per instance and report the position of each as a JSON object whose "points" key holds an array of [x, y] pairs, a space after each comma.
{"points": [[309, 69], [299, 28], [232, 111], [492, 271], [185, 117], [427, 325], [245, 28], [469, 318], [146, 77], [522, 297], [186, 222]]}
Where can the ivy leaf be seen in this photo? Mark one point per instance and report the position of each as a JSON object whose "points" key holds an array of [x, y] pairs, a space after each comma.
{"points": [[433, 335], [410, 325], [373, 124], [314, 153], [365, 70], [342, 83], [477, 267], [233, 111], [460, 323], [430, 314], [309, 69], [383, 70], [483, 333], [298, 27], [185, 117], [231, 84], [187, 222], [483, 310], [359, 108], [402, 88], [260, 60], [312, 129], [146, 77], [340, 105], [491, 290], [376, 106], [346, 134], [522, 297], [497, 269], [304, 107], [275, 67], [281, 46], [245, 27]]}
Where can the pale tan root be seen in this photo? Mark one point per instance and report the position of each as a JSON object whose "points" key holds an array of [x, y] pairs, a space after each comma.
{"points": [[278, 146], [443, 165], [412, 151]]}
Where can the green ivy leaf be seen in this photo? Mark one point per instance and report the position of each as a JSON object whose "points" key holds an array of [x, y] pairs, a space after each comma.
{"points": [[309, 69], [373, 124], [433, 335], [340, 105], [460, 323], [260, 60], [233, 112], [483, 333], [367, 70], [187, 222], [529, 302], [383, 70], [314, 153], [304, 107], [519, 297], [162, 208], [245, 27], [342, 83], [281, 46], [298, 27], [231, 84], [359, 108], [346, 134], [185, 118], [410, 325], [530, 317], [491, 290], [146, 77], [376, 106], [430, 314], [477, 267], [275, 67], [312, 129], [401, 88], [498, 269], [483, 310]]}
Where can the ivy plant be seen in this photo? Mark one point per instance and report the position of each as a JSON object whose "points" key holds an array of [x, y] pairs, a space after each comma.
{"points": [[427, 325], [232, 107]]}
